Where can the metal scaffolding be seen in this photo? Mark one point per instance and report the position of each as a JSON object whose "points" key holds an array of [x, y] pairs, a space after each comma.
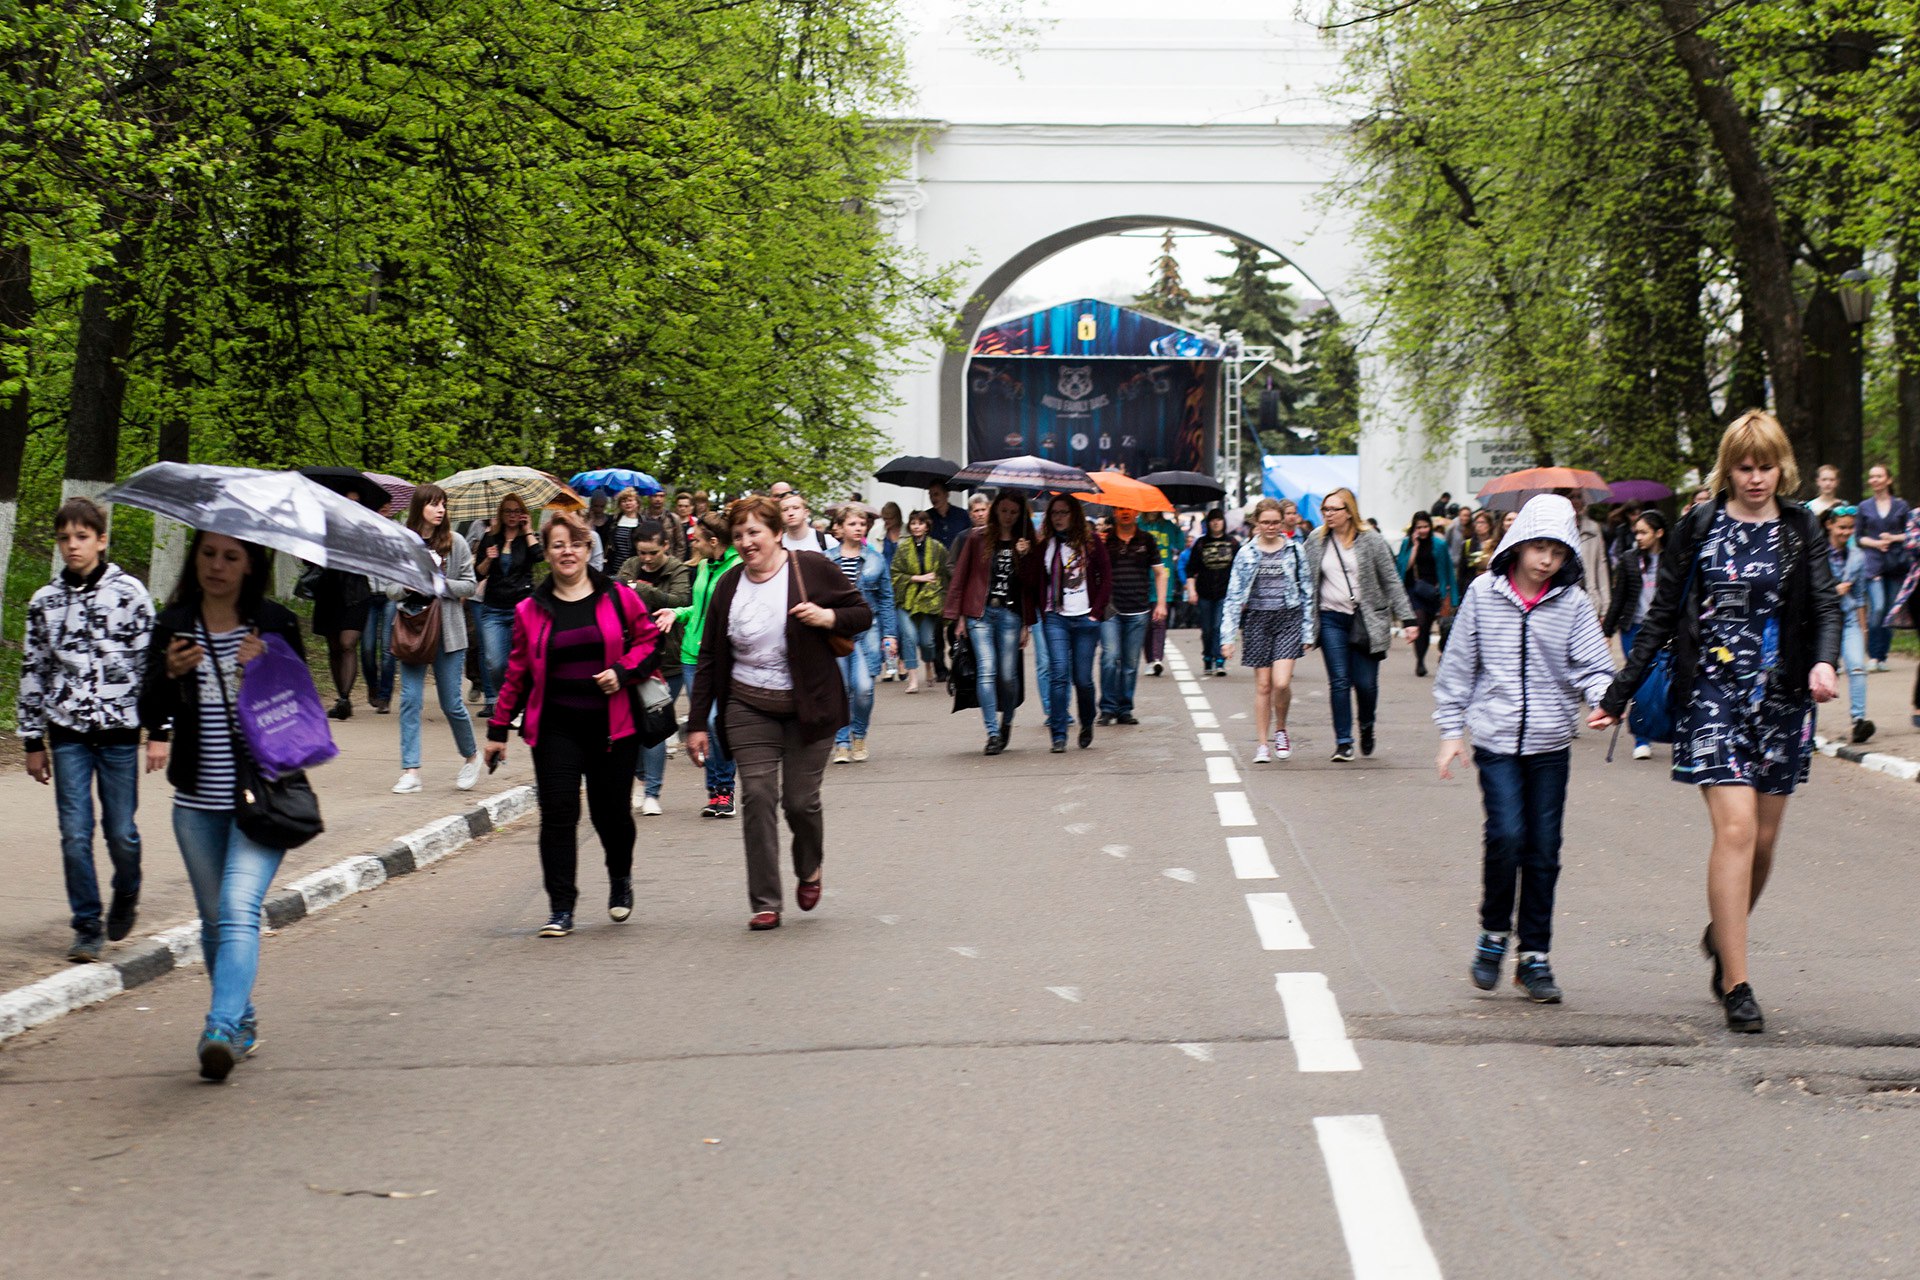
{"points": [[1242, 364]]}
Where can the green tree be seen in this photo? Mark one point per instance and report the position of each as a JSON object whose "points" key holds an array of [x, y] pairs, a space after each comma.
{"points": [[1167, 295]]}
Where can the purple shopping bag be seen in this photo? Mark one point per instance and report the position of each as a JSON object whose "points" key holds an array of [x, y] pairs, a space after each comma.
{"points": [[280, 713]]}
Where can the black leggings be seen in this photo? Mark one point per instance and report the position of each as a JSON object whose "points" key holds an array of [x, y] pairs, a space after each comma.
{"points": [[559, 764]]}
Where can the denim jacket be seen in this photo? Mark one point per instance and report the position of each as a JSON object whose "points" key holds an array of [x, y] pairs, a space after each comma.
{"points": [[876, 584], [1854, 571], [1296, 583]]}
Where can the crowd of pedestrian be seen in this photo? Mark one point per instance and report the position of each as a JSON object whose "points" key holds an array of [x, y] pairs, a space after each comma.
{"points": [[583, 632]]}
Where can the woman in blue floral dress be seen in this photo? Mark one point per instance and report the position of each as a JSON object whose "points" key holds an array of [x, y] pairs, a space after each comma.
{"points": [[1746, 601]]}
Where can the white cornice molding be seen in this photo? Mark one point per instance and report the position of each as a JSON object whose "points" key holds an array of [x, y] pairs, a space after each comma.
{"points": [[1111, 135]]}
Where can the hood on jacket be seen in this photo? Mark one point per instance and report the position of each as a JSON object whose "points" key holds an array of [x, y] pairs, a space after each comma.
{"points": [[1546, 515]]}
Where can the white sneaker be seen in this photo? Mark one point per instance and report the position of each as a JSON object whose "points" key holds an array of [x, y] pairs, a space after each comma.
{"points": [[1282, 745], [672, 749], [1643, 752], [1878, 666], [649, 807], [469, 774], [842, 754], [1261, 755], [408, 784]]}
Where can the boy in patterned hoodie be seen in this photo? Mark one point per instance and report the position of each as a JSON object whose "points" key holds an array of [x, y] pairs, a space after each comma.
{"points": [[80, 677], [1526, 647]]}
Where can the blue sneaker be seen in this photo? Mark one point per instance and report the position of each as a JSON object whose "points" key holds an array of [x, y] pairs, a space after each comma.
{"points": [[1488, 954], [218, 1053], [1535, 977], [249, 1037]]}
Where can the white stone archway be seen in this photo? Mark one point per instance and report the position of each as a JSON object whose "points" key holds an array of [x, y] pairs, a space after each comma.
{"points": [[1123, 118]]}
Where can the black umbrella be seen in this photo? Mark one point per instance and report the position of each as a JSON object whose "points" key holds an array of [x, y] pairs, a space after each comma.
{"points": [[346, 480], [913, 472], [1187, 488]]}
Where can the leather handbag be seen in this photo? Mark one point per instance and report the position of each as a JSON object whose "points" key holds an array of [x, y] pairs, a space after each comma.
{"points": [[842, 646], [655, 719], [416, 635], [280, 813]]}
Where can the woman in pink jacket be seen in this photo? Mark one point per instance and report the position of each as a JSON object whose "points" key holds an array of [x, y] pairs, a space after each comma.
{"points": [[582, 646]]}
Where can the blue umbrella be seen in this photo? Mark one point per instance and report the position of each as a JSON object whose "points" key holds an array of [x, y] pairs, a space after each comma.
{"points": [[613, 480]]}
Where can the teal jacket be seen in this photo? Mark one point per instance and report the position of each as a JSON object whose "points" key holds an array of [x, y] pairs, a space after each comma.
{"points": [[1442, 567]]}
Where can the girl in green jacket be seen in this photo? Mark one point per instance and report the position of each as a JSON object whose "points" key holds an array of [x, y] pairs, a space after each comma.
{"points": [[920, 576]]}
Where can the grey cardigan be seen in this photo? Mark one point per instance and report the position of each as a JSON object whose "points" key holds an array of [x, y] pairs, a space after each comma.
{"points": [[1375, 581], [461, 586]]}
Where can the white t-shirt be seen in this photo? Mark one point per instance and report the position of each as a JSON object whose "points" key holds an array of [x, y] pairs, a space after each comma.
{"points": [[1075, 601], [1338, 581], [808, 539], [757, 626]]}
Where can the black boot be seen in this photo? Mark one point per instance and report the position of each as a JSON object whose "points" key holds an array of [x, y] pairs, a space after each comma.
{"points": [[1743, 1011]]}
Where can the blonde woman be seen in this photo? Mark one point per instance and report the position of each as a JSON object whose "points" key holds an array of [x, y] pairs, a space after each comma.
{"points": [[619, 532], [1359, 597], [1747, 605]]}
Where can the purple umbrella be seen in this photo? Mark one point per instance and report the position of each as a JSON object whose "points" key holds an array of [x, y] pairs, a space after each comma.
{"points": [[1638, 491], [399, 492]]}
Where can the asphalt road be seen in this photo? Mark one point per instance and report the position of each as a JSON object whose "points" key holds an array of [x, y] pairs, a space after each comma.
{"points": [[1032, 1031]]}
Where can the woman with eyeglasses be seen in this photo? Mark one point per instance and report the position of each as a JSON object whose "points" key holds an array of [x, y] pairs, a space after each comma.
{"points": [[1634, 579], [1270, 600], [1849, 566], [1358, 599]]}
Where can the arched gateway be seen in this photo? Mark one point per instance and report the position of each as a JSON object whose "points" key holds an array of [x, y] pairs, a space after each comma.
{"points": [[1123, 117]]}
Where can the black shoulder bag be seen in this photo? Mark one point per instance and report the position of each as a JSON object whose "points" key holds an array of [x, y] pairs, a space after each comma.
{"points": [[280, 813]]}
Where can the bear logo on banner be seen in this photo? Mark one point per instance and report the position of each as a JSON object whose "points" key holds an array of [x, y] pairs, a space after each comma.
{"points": [[1076, 381]]}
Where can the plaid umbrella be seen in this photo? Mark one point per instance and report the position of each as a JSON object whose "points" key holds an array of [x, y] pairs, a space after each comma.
{"points": [[1024, 472], [286, 511], [476, 494]]}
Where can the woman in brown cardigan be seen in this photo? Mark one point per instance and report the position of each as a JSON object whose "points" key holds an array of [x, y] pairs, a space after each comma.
{"points": [[767, 663]]}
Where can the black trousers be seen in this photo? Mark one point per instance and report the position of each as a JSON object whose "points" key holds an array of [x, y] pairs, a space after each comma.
{"points": [[560, 763]]}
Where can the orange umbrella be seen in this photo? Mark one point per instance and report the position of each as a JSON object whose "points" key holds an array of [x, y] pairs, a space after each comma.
{"points": [[1511, 491], [1123, 491]]}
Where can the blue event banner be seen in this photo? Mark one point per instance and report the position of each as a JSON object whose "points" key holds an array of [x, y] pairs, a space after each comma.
{"points": [[1098, 415]]}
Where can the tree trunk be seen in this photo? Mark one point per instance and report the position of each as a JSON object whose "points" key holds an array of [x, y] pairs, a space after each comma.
{"points": [[175, 445], [16, 316], [1903, 299], [100, 374], [1759, 241], [1833, 374]]}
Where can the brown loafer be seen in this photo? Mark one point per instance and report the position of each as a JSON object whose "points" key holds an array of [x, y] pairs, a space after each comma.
{"points": [[764, 920], [807, 894]]}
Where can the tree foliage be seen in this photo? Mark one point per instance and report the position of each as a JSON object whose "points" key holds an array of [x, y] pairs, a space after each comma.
{"points": [[1604, 228]]}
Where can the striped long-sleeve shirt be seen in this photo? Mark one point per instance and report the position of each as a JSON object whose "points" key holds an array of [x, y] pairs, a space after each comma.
{"points": [[1515, 676]]}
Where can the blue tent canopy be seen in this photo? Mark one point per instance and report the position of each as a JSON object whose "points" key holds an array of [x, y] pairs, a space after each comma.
{"points": [[1306, 478], [1089, 328]]}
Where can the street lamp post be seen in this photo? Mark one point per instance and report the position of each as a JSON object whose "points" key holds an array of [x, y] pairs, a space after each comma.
{"points": [[1856, 301]]}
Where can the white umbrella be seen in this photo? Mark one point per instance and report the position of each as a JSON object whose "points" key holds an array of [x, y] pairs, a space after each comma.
{"points": [[286, 511]]}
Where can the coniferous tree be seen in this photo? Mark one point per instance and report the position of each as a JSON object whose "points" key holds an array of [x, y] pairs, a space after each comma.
{"points": [[1167, 296]]}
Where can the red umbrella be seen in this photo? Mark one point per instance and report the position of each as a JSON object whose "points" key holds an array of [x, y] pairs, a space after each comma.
{"points": [[1123, 491], [1511, 491]]}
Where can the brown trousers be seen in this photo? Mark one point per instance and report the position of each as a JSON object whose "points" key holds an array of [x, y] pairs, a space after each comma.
{"points": [[777, 770]]}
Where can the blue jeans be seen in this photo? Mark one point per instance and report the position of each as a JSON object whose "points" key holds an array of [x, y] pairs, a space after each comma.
{"points": [[1525, 797], [1071, 643], [376, 650], [495, 627], [921, 632], [1350, 670], [996, 658], [447, 670], [230, 875], [1853, 655], [856, 672], [719, 764], [1212, 612], [1043, 669], [77, 768], [1880, 594], [1120, 639], [1627, 636], [653, 759]]}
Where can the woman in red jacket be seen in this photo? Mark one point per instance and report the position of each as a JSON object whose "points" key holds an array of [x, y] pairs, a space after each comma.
{"points": [[1069, 585], [582, 645]]}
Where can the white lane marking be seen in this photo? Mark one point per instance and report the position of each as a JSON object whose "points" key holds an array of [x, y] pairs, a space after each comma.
{"points": [[1314, 1025], [888, 919], [1234, 809], [1205, 720], [1199, 704], [1071, 806], [1238, 715], [1275, 921], [1212, 741], [1116, 850], [971, 953], [1078, 828], [1198, 1052], [1181, 874], [1250, 860], [1070, 994], [1220, 771], [1187, 686], [1384, 1237]]}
